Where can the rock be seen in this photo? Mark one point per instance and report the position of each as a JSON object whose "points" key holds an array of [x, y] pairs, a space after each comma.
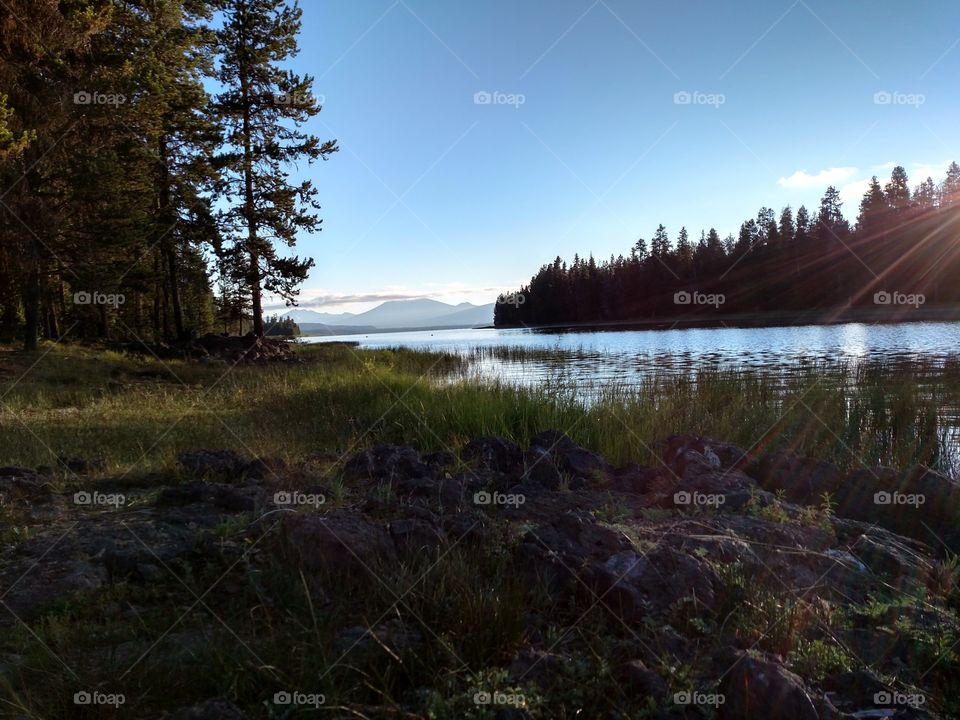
{"points": [[892, 559], [693, 454], [803, 480], [208, 464], [653, 581], [465, 527], [853, 690], [538, 467], [568, 456], [634, 478], [641, 682], [19, 484], [756, 688], [215, 709], [411, 536], [439, 461], [386, 463], [229, 498], [343, 542], [919, 504], [493, 453]]}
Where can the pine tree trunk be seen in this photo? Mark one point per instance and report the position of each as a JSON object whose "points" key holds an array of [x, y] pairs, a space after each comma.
{"points": [[169, 249], [31, 304], [250, 211]]}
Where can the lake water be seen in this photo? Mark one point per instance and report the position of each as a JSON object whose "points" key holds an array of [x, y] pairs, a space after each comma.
{"points": [[596, 358]]}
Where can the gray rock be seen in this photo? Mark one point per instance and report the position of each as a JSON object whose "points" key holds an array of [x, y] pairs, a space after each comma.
{"points": [[493, 453], [757, 688], [341, 542]]}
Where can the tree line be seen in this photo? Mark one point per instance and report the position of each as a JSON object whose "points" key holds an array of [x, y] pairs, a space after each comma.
{"points": [[903, 249], [146, 149]]}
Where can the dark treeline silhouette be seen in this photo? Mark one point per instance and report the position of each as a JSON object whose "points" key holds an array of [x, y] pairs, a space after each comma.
{"points": [[144, 155], [904, 250]]}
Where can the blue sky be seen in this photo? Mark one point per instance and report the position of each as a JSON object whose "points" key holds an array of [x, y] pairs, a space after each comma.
{"points": [[582, 144]]}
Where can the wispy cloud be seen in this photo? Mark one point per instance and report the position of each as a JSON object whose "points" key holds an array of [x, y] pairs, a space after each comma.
{"points": [[320, 298], [830, 176]]}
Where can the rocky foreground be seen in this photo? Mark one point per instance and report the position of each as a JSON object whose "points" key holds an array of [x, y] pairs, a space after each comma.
{"points": [[729, 586]]}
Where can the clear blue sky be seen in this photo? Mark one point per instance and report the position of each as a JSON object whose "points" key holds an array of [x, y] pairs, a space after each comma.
{"points": [[435, 195]]}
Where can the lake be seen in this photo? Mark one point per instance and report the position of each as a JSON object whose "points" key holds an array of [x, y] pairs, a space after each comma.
{"points": [[595, 358]]}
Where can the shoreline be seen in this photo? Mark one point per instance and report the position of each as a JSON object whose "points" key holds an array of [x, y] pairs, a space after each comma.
{"points": [[833, 316]]}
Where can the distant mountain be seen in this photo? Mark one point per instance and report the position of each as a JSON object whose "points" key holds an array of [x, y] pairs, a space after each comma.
{"points": [[300, 315], [394, 315]]}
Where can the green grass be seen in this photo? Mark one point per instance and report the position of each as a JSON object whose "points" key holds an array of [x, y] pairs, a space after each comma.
{"points": [[138, 413]]}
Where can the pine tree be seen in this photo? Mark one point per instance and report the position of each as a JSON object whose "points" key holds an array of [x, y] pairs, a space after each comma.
{"points": [[660, 245], [788, 229], [950, 188], [897, 191], [831, 225], [684, 250], [259, 96], [873, 210]]}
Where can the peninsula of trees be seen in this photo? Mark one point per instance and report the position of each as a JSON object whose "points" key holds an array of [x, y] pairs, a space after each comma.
{"points": [[904, 250]]}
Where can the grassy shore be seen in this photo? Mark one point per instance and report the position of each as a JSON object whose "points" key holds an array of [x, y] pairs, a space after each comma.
{"points": [[237, 619], [136, 413]]}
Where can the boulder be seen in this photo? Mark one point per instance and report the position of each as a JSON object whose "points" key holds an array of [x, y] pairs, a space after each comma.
{"points": [[343, 542], [920, 503], [694, 454], [568, 456], [757, 688], [802, 479], [386, 463], [493, 453], [639, 681], [539, 468]]}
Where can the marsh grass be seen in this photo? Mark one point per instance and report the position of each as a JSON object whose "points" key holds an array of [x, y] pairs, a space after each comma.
{"points": [[137, 413]]}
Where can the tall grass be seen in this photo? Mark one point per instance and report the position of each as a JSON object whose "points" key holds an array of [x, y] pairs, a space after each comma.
{"points": [[138, 413]]}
